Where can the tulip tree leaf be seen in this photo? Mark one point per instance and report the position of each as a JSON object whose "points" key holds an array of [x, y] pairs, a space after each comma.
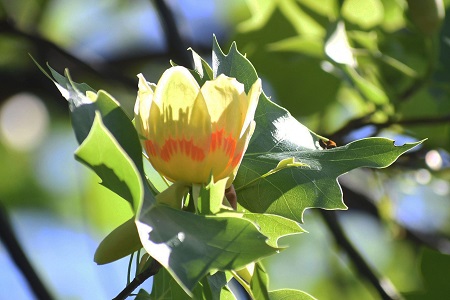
{"points": [[274, 226], [101, 152], [202, 71], [289, 294], [277, 137], [166, 287], [85, 105], [191, 245], [290, 191], [143, 295], [260, 283], [234, 64], [122, 241], [211, 287]]}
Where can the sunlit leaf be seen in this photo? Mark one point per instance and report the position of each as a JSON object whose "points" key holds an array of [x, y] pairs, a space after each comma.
{"points": [[294, 71], [190, 245], [286, 294], [279, 136], [274, 226], [121, 242], [101, 152], [260, 283], [365, 14], [289, 192], [86, 105], [143, 295], [165, 287]]}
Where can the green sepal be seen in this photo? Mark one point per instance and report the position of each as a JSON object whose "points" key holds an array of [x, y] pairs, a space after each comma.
{"points": [[121, 242]]}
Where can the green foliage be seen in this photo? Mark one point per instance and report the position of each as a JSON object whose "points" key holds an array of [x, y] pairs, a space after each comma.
{"points": [[344, 69], [190, 245], [118, 174], [284, 171], [289, 294], [434, 268]]}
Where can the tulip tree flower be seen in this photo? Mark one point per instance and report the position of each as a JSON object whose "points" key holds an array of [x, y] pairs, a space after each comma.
{"points": [[191, 132]]}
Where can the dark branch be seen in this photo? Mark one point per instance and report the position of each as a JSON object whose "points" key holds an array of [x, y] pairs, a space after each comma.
{"points": [[417, 121], [17, 254], [175, 43], [45, 46], [358, 201], [154, 267], [365, 121], [382, 285]]}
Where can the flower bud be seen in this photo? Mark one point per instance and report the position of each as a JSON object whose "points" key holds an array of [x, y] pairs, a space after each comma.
{"points": [[190, 132]]}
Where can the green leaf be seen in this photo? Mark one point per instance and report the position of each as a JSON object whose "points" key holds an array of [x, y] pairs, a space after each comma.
{"points": [[217, 283], [165, 287], [102, 153], [85, 106], [291, 68], [209, 287], [121, 242], [202, 71], [190, 245], [286, 294], [120, 125], [365, 14], [226, 294], [289, 192], [434, 267], [274, 226], [312, 182], [260, 283], [143, 295], [234, 64], [369, 90], [210, 197]]}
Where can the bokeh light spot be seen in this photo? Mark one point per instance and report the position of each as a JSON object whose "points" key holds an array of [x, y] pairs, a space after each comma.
{"points": [[433, 159], [24, 122]]}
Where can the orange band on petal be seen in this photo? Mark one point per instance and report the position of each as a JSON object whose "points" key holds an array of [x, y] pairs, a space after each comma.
{"points": [[216, 140], [172, 147], [237, 159], [229, 145], [219, 142], [150, 148]]}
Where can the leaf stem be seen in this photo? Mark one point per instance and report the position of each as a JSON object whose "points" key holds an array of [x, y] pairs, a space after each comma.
{"points": [[154, 267], [129, 268], [243, 283], [283, 164], [383, 286]]}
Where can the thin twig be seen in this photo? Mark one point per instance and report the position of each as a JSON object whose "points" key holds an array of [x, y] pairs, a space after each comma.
{"points": [[154, 267], [382, 285], [17, 254]]}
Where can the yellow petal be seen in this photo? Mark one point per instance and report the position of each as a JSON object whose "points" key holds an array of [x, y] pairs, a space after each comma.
{"points": [[251, 102], [220, 93], [241, 147], [199, 125], [143, 103], [176, 91]]}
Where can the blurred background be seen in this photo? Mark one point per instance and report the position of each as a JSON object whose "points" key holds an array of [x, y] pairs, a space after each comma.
{"points": [[346, 69]]}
